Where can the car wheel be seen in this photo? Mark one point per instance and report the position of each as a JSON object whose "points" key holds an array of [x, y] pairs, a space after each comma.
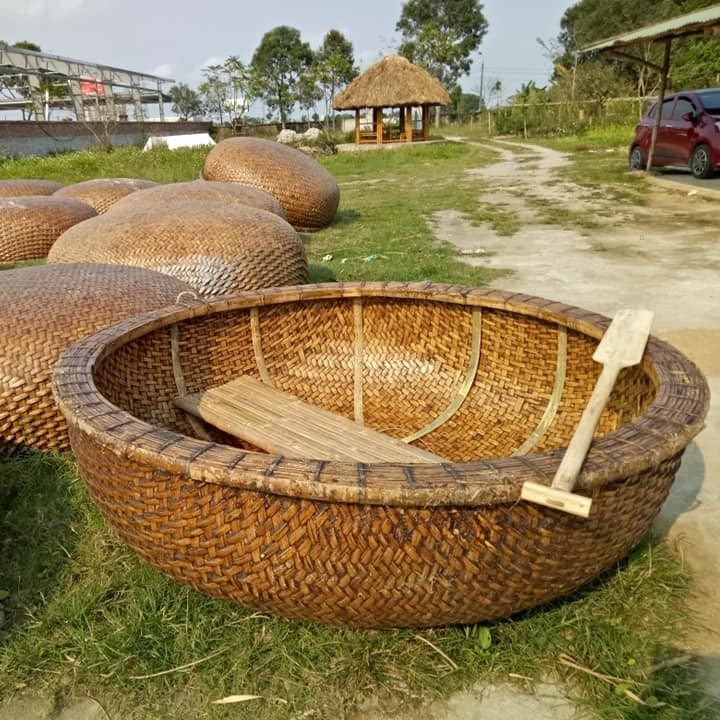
{"points": [[637, 161], [701, 162]]}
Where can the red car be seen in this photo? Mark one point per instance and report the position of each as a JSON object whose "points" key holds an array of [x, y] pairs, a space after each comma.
{"points": [[688, 136]]}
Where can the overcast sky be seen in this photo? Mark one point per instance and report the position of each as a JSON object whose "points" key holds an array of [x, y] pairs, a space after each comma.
{"points": [[176, 38]]}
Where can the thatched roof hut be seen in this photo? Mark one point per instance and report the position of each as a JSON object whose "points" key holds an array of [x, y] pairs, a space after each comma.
{"points": [[393, 82]]}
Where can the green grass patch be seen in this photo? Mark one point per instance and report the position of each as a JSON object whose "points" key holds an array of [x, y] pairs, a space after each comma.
{"points": [[594, 138], [382, 230], [159, 164], [84, 616], [607, 174]]}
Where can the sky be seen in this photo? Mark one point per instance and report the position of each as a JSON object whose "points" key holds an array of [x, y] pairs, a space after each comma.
{"points": [[177, 38]]}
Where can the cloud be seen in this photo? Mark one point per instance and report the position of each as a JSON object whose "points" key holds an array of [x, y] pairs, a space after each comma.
{"points": [[55, 9], [166, 70], [195, 76]]}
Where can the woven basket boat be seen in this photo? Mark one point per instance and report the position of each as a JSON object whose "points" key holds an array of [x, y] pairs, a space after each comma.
{"points": [[44, 310], [202, 191], [103, 193], [307, 191], [29, 225], [20, 187], [491, 382], [215, 247]]}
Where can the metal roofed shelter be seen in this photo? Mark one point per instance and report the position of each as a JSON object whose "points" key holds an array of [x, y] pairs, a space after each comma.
{"points": [[699, 22], [92, 89], [393, 82]]}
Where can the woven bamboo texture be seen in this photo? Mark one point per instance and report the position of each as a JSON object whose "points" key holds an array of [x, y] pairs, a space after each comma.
{"points": [[377, 545], [202, 190], [216, 248], [30, 225], [22, 187], [103, 193], [45, 309], [307, 191]]}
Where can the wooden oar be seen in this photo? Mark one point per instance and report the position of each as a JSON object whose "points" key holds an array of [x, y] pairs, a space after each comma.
{"points": [[622, 346]]}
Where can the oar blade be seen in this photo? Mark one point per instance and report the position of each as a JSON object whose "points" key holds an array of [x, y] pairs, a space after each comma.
{"points": [[625, 340]]}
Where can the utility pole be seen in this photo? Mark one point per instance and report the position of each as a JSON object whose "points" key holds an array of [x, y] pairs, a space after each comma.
{"points": [[482, 80]]}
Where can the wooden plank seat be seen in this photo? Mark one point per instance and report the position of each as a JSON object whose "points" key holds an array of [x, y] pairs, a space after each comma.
{"points": [[283, 424]]}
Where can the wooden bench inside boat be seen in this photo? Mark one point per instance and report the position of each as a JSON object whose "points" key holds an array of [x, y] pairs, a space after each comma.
{"points": [[283, 424]]}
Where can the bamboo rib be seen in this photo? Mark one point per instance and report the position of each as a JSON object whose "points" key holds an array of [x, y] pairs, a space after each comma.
{"points": [[257, 346], [464, 389], [358, 364], [180, 382], [557, 391]]}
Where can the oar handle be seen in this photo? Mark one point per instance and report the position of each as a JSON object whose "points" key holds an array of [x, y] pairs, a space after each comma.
{"points": [[574, 456]]}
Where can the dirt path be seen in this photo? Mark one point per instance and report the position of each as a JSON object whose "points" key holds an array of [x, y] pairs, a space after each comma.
{"points": [[664, 256]]}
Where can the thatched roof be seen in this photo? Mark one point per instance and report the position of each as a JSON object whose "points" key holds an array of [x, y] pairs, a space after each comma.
{"points": [[392, 82]]}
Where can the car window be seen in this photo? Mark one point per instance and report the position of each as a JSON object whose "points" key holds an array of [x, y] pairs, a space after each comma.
{"points": [[710, 100], [682, 106], [666, 108]]}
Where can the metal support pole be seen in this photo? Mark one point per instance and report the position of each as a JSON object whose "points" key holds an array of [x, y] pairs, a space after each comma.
{"points": [[137, 103], [658, 114], [160, 102]]}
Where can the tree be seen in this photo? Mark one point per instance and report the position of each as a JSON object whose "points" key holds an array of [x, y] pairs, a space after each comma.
{"points": [[308, 90], [335, 63], [694, 61], [240, 82], [441, 35], [215, 90], [279, 62], [186, 101]]}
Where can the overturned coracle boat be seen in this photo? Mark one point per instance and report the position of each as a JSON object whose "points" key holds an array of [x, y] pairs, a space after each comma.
{"points": [[397, 502]]}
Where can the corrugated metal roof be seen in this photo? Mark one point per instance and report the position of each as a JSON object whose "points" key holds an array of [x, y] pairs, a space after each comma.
{"points": [[687, 24]]}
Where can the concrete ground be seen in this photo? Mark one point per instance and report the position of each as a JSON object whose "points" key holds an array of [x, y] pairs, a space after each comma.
{"points": [[673, 178], [664, 256]]}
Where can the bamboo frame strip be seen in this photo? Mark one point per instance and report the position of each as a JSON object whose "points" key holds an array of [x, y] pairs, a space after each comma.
{"points": [[257, 346], [195, 424], [464, 389], [554, 403], [358, 361]]}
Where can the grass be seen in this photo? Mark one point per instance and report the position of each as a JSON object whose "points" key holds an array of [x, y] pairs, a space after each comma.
{"points": [[82, 615], [382, 229], [159, 164]]}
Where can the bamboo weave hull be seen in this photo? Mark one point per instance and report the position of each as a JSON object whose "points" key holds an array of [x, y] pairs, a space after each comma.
{"points": [[307, 191], [103, 193], [377, 545], [30, 225], [215, 247], [19, 187], [43, 310]]}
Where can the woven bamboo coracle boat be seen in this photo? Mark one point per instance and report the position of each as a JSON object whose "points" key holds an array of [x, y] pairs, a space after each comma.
{"points": [[485, 388], [215, 247], [19, 187], [202, 190], [45, 309], [103, 193], [30, 225], [307, 191]]}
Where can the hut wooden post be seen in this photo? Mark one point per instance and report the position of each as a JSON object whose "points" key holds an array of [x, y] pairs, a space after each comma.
{"points": [[408, 124], [378, 125], [357, 126], [425, 121]]}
